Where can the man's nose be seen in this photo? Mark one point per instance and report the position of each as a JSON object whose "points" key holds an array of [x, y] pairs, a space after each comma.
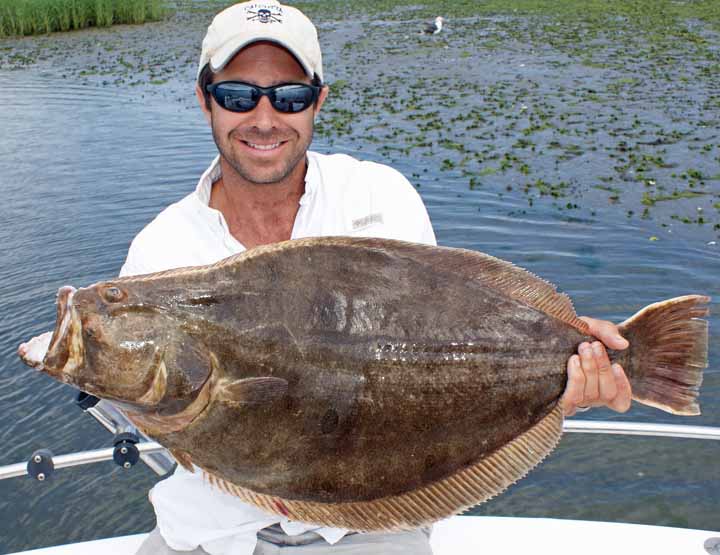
{"points": [[264, 115]]}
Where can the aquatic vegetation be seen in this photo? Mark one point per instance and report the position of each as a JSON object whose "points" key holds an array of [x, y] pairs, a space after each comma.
{"points": [[645, 10], [650, 200], [35, 17], [603, 108]]}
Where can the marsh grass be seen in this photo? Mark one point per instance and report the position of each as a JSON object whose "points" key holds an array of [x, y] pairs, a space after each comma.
{"points": [[35, 17]]}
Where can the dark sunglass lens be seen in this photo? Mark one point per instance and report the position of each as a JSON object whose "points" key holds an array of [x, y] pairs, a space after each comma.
{"points": [[236, 97], [293, 98]]}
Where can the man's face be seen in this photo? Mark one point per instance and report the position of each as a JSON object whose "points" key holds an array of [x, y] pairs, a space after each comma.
{"points": [[263, 146]]}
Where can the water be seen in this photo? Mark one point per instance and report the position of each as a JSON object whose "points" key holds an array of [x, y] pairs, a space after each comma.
{"points": [[83, 167]]}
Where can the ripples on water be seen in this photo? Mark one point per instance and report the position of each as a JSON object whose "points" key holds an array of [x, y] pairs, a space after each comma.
{"points": [[83, 169]]}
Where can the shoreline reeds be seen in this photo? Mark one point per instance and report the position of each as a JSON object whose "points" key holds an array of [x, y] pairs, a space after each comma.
{"points": [[37, 17]]}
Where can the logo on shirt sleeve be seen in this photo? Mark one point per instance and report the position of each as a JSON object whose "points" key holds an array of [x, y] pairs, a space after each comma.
{"points": [[367, 221]]}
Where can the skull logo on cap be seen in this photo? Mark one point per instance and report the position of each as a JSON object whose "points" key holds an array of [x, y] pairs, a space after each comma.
{"points": [[263, 15]]}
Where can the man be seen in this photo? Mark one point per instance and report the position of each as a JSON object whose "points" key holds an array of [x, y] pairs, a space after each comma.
{"points": [[260, 86]]}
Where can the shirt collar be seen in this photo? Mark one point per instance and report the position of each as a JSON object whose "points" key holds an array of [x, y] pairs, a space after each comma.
{"points": [[210, 176], [214, 172], [312, 178]]}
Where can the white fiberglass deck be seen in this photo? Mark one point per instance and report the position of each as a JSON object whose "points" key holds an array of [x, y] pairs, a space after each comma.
{"points": [[468, 535]]}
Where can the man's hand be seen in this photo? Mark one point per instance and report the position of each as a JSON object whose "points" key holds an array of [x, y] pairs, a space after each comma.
{"points": [[592, 380]]}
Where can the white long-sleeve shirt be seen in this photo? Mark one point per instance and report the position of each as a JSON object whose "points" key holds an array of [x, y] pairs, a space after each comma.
{"points": [[343, 196]]}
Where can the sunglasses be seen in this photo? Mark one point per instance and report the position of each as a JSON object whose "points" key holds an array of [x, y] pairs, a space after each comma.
{"points": [[289, 98]]}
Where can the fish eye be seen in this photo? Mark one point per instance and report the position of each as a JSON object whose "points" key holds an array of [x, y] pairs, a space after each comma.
{"points": [[113, 295]]}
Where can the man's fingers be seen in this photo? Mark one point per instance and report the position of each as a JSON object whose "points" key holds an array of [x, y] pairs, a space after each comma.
{"points": [[594, 381], [590, 370], [607, 332], [607, 389], [623, 398], [573, 395]]}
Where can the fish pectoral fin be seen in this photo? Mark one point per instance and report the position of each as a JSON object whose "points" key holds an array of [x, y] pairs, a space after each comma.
{"points": [[252, 391]]}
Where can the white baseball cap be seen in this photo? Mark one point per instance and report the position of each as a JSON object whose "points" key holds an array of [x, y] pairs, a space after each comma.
{"points": [[236, 27]]}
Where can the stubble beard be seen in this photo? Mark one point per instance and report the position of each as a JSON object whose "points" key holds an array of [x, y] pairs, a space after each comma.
{"points": [[260, 176]]}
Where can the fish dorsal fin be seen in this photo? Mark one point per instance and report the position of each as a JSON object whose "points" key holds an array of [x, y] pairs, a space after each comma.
{"points": [[228, 261], [500, 275], [504, 277], [251, 391], [451, 495]]}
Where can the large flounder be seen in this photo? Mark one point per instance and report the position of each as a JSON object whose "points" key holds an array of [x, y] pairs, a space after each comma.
{"points": [[361, 383]]}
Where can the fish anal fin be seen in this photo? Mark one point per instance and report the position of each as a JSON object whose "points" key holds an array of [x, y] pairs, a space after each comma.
{"points": [[183, 459], [251, 391], [441, 499]]}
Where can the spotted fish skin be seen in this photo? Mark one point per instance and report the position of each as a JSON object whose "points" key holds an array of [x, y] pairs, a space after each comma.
{"points": [[397, 375], [338, 372]]}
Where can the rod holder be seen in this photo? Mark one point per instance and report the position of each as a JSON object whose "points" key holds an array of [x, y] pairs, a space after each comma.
{"points": [[41, 465], [126, 453]]}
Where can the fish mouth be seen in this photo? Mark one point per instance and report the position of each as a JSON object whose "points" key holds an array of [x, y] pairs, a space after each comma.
{"points": [[59, 353], [158, 387]]}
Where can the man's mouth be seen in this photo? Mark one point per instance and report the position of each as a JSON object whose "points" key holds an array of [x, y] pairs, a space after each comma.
{"points": [[264, 147]]}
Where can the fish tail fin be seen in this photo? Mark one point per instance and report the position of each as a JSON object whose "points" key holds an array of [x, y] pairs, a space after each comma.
{"points": [[667, 354]]}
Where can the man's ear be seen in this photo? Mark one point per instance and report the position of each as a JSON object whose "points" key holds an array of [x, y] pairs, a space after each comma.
{"points": [[203, 106], [321, 98]]}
